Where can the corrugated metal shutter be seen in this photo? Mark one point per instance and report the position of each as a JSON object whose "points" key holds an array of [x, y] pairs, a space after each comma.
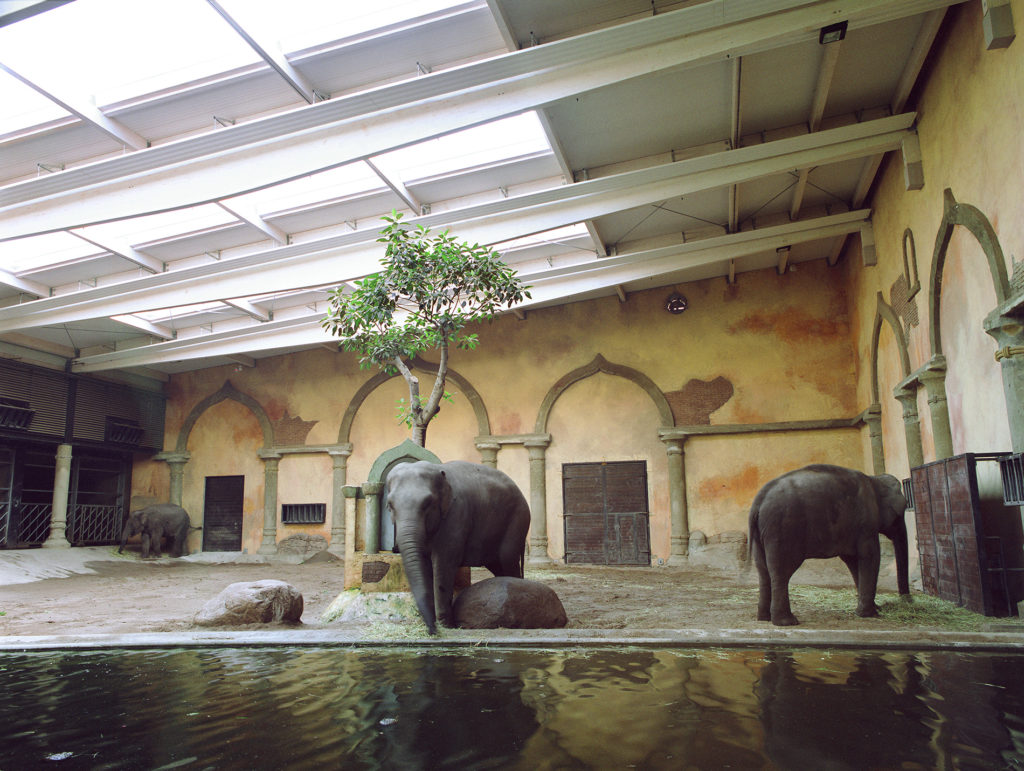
{"points": [[96, 401], [46, 392]]}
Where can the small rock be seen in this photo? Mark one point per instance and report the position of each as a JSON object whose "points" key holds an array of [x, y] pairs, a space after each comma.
{"points": [[512, 603], [253, 602]]}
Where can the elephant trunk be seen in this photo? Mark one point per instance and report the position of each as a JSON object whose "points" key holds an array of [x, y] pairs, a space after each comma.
{"points": [[420, 572], [899, 542]]}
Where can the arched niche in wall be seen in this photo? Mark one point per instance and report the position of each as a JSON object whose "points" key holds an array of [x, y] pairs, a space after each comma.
{"points": [[885, 315], [600, 364], [227, 391], [934, 374], [375, 382]]}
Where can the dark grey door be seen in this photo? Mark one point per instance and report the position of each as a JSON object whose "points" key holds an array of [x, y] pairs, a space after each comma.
{"points": [[222, 513], [606, 516]]}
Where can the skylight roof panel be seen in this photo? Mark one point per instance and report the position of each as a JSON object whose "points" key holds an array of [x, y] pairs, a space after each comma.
{"points": [[24, 107], [157, 227], [301, 24], [37, 252], [110, 50], [488, 143], [343, 181]]}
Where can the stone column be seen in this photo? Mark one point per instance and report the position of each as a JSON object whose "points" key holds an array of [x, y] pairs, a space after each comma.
{"points": [[488, 453], [371, 492], [271, 462], [537, 448], [934, 379], [1009, 334], [907, 397], [176, 461], [59, 510], [680, 523], [873, 418], [339, 476]]}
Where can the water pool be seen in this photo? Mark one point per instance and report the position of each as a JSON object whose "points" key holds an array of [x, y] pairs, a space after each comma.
{"points": [[510, 708]]}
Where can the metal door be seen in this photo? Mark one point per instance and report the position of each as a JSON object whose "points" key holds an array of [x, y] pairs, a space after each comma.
{"points": [[606, 517], [96, 505], [222, 513]]}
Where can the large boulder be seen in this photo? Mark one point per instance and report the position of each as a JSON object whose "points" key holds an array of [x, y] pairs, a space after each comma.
{"points": [[513, 603], [253, 602]]}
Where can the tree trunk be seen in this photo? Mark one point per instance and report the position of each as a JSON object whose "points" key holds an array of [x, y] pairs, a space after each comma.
{"points": [[419, 434]]}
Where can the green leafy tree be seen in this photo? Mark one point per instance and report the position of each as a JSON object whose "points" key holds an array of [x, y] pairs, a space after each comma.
{"points": [[429, 290]]}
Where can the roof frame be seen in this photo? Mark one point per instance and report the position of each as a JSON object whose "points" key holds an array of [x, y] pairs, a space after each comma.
{"points": [[223, 163]]}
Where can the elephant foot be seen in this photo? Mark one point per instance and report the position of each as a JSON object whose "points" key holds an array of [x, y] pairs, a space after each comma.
{"points": [[764, 615], [789, 620], [869, 612]]}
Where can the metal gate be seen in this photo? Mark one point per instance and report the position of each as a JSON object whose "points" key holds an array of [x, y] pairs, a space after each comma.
{"points": [[222, 513], [606, 516], [96, 503]]}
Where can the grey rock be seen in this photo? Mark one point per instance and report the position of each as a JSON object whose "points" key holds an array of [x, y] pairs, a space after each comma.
{"points": [[512, 603], [303, 544], [253, 602]]}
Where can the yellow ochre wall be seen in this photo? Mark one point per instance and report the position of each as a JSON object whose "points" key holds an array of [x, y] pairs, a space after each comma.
{"points": [[780, 341], [970, 117], [797, 347]]}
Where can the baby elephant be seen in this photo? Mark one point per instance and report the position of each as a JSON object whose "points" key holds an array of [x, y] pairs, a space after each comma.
{"points": [[154, 522], [825, 511]]}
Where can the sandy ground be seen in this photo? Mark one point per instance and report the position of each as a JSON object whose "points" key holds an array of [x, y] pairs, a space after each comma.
{"points": [[95, 591]]}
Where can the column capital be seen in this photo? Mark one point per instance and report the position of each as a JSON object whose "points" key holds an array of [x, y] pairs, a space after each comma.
{"points": [[537, 440], [269, 455], [372, 488], [173, 457], [340, 451]]}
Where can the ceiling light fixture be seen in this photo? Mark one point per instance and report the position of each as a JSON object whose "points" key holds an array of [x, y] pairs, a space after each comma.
{"points": [[832, 33], [676, 303]]}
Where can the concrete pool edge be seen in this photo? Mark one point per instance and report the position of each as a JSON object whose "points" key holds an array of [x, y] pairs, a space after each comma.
{"points": [[548, 638]]}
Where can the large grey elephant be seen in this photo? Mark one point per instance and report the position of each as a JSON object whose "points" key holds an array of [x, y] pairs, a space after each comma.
{"points": [[451, 515], [154, 523], [825, 511]]}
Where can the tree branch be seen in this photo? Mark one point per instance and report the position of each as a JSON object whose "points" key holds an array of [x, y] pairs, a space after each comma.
{"points": [[434, 402]]}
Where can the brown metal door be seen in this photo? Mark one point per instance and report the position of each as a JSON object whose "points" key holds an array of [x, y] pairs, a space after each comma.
{"points": [[606, 516], [222, 513]]}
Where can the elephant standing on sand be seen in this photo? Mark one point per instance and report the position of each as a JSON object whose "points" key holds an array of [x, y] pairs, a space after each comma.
{"points": [[154, 522], [825, 511], [451, 515]]}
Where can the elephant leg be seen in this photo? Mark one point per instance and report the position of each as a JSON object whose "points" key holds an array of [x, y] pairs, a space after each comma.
{"points": [[868, 562], [852, 565], [155, 541], [444, 589], [145, 546], [764, 584], [780, 571]]}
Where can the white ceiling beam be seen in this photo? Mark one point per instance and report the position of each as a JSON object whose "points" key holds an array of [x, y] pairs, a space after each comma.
{"points": [[393, 180], [547, 285], [156, 330], [84, 110], [356, 254], [918, 54], [826, 71], [121, 249], [23, 284], [256, 312], [271, 55], [735, 132], [248, 214], [243, 360], [259, 153]]}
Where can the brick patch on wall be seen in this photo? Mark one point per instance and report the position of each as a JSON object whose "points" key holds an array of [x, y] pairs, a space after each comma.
{"points": [[694, 403]]}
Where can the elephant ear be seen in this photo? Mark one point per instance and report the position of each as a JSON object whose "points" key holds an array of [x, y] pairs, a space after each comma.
{"points": [[446, 493], [891, 500]]}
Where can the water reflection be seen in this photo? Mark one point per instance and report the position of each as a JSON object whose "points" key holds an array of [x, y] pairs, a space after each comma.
{"points": [[512, 708]]}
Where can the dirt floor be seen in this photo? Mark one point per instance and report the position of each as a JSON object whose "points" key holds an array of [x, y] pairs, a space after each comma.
{"points": [[127, 595]]}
